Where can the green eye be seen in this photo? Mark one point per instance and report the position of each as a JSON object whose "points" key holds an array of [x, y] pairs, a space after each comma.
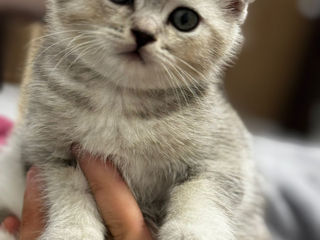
{"points": [[122, 2], [184, 19]]}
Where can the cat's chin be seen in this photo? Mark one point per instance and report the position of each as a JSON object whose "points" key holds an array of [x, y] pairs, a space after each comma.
{"points": [[135, 71], [135, 56], [135, 75], [141, 81]]}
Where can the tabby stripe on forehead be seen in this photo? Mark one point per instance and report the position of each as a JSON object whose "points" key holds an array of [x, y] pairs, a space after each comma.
{"points": [[62, 1], [74, 97]]}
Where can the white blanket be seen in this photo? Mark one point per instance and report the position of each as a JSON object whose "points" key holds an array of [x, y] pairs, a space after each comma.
{"points": [[292, 187]]}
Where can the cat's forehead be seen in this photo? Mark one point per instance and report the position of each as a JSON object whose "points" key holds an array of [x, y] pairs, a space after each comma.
{"points": [[208, 9], [162, 4]]}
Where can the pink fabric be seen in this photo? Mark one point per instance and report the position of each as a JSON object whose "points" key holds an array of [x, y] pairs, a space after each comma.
{"points": [[5, 129]]}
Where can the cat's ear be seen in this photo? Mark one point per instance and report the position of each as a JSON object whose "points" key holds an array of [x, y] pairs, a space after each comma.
{"points": [[237, 8]]}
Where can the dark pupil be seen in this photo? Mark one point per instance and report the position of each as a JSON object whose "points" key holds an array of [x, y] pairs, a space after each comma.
{"points": [[184, 19], [122, 1]]}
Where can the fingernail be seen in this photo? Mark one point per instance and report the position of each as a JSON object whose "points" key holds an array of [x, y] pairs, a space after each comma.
{"points": [[79, 153], [75, 149], [31, 175], [31, 184]]}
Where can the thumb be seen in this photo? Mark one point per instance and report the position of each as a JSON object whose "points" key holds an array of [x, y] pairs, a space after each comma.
{"points": [[116, 203]]}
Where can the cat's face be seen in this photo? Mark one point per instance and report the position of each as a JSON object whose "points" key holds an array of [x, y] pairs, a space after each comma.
{"points": [[150, 44]]}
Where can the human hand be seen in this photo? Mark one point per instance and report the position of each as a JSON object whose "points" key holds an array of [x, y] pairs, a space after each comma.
{"points": [[115, 202], [32, 223]]}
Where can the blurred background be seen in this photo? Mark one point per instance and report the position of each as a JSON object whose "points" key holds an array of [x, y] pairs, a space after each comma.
{"points": [[277, 78], [274, 85]]}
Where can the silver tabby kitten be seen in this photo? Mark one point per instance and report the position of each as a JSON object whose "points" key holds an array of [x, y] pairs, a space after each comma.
{"points": [[138, 80]]}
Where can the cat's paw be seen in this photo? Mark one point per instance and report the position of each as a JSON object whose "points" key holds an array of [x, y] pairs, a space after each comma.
{"points": [[175, 230], [4, 235]]}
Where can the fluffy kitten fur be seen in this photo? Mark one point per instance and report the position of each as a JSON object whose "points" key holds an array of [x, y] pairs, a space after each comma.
{"points": [[163, 119]]}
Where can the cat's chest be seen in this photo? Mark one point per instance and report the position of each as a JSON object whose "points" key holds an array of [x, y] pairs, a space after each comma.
{"points": [[118, 130], [110, 133], [152, 153], [144, 151]]}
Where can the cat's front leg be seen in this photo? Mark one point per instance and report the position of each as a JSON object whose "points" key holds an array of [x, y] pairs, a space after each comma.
{"points": [[71, 210], [195, 213]]}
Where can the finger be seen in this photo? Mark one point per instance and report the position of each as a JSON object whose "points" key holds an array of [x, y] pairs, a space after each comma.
{"points": [[11, 224], [32, 215], [116, 203]]}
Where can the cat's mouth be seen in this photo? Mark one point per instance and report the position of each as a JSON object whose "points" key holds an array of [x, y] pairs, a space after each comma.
{"points": [[135, 56]]}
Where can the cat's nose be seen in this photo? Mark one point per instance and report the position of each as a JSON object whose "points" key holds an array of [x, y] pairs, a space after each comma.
{"points": [[142, 38]]}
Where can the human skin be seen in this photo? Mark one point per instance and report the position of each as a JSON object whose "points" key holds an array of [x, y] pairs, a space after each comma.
{"points": [[115, 202]]}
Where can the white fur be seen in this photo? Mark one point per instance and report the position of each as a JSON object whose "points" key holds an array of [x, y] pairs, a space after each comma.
{"points": [[4, 235], [72, 214], [11, 178], [180, 223]]}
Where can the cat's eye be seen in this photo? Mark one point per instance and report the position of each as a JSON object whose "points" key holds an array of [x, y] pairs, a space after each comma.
{"points": [[184, 19], [122, 2]]}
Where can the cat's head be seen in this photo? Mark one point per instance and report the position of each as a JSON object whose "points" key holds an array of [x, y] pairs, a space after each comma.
{"points": [[149, 44]]}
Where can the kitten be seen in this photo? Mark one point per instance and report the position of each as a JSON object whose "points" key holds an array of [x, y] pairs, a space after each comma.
{"points": [[139, 80]]}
